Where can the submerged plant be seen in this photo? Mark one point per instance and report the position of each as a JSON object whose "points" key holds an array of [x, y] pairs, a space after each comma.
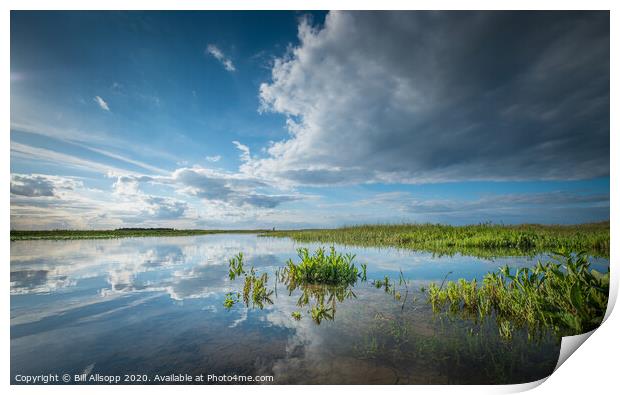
{"points": [[231, 299], [568, 297], [296, 315], [320, 313], [255, 289]]}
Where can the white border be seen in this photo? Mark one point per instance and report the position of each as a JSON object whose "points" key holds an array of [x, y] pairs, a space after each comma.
{"points": [[593, 367]]}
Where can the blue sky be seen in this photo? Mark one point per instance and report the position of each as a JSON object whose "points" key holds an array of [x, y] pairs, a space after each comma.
{"points": [[298, 119]]}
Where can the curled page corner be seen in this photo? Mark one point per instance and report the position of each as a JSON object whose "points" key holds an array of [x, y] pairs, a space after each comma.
{"points": [[569, 345]]}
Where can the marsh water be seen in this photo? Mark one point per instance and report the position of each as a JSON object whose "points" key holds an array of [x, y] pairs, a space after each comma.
{"points": [[152, 306]]}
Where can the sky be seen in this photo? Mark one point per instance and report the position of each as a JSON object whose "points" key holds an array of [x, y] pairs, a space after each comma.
{"points": [[307, 119]]}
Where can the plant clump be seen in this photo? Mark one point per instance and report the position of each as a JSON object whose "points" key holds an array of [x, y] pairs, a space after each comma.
{"points": [[569, 298], [322, 268]]}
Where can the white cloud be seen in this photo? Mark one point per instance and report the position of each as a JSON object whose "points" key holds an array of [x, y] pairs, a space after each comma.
{"points": [[219, 55], [410, 97], [245, 151], [214, 158], [102, 103], [30, 153]]}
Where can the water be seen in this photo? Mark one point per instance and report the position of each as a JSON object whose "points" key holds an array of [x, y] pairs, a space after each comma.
{"points": [[155, 306]]}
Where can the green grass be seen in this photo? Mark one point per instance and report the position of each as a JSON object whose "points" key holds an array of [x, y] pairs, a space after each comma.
{"points": [[566, 297], [321, 268], [116, 233], [486, 240]]}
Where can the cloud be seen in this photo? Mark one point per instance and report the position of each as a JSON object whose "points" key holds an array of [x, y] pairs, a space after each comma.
{"points": [[41, 185], [214, 158], [165, 208], [102, 103], [417, 97], [31, 186], [30, 153], [506, 207], [230, 188], [219, 55]]}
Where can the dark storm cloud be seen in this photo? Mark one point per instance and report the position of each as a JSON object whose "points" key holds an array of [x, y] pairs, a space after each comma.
{"points": [[441, 96]]}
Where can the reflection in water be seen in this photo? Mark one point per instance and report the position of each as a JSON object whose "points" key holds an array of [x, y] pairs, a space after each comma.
{"points": [[155, 305]]}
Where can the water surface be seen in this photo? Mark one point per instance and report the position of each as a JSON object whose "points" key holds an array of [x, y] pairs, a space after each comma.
{"points": [[155, 306]]}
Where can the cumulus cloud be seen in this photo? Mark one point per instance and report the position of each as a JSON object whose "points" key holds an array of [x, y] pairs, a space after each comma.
{"points": [[230, 188], [419, 97], [165, 208], [102, 103], [233, 189], [39, 185], [219, 55]]}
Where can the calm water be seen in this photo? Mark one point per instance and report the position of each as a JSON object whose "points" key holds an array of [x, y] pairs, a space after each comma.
{"points": [[155, 306]]}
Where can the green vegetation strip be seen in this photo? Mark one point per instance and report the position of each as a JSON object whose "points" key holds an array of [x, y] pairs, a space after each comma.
{"points": [[117, 233], [566, 297], [479, 240]]}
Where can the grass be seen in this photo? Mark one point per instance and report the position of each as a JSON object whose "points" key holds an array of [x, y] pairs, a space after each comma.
{"points": [[116, 233], [480, 240], [321, 268], [566, 297]]}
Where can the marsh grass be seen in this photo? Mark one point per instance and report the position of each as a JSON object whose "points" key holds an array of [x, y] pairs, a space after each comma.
{"points": [[482, 240], [61, 234], [322, 268], [566, 297]]}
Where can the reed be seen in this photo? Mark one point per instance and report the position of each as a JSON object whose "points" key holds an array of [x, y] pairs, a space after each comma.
{"points": [[483, 240]]}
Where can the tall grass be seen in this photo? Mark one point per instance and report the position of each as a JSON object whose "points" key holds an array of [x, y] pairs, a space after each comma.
{"points": [[566, 297], [482, 240]]}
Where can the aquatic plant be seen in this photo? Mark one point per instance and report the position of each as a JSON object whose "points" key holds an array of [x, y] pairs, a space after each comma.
{"points": [[260, 294], [255, 289], [566, 297], [231, 299], [470, 354], [483, 240], [363, 275], [320, 313], [321, 268], [235, 266], [296, 315]]}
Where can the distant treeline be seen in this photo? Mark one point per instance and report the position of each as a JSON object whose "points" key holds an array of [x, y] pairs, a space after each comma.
{"points": [[135, 229]]}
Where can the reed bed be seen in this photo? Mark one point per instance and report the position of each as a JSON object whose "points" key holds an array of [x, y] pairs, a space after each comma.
{"points": [[480, 240]]}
